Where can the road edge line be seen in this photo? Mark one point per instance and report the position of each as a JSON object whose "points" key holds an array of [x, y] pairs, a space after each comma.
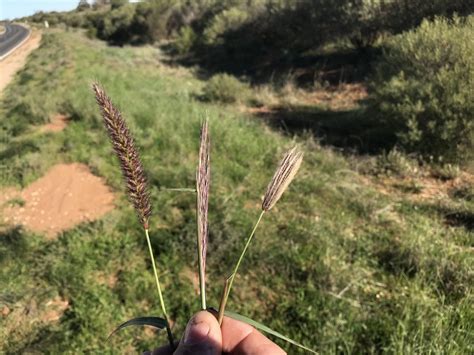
{"points": [[18, 45]]}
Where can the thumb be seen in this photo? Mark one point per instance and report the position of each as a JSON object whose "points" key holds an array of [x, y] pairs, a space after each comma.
{"points": [[202, 336]]}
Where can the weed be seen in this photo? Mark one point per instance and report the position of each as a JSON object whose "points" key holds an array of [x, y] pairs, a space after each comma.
{"points": [[226, 89], [396, 163], [445, 171]]}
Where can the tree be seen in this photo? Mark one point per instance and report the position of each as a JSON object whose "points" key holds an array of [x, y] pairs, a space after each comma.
{"points": [[118, 3], [83, 5], [100, 3]]}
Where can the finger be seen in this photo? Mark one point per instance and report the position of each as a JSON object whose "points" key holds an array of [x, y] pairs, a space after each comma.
{"points": [[202, 336], [241, 338]]}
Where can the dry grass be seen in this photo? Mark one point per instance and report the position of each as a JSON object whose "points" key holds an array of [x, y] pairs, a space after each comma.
{"points": [[285, 173], [203, 179]]}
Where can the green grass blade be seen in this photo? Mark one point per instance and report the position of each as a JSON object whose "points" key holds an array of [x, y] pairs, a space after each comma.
{"points": [[265, 329], [154, 322]]}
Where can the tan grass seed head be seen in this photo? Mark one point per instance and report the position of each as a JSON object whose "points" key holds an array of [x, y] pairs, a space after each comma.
{"points": [[283, 176], [203, 177]]}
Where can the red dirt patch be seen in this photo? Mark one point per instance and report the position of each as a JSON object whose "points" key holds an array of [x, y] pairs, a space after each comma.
{"points": [[54, 309], [57, 123], [67, 195]]}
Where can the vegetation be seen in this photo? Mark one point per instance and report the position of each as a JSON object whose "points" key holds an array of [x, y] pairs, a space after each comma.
{"points": [[357, 269], [302, 25], [225, 88], [423, 88]]}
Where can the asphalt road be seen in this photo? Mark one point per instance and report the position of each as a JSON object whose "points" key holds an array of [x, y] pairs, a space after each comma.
{"points": [[13, 35]]}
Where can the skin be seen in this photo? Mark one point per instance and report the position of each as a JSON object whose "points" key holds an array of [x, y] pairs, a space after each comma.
{"points": [[203, 336]]}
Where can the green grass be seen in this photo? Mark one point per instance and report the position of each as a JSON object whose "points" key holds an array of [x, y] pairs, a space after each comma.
{"points": [[336, 265]]}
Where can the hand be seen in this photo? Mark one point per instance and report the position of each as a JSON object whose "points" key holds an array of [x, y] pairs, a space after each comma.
{"points": [[203, 336]]}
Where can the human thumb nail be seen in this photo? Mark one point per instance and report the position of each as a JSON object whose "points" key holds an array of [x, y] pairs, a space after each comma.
{"points": [[202, 336]]}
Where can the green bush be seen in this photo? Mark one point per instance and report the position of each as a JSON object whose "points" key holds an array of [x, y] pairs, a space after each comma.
{"points": [[115, 26], [423, 88], [115, 4], [226, 89], [396, 163], [185, 40], [227, 20], [367, 20]]}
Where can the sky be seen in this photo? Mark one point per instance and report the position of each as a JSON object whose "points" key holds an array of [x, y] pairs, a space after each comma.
{"points": [[10, 9]]}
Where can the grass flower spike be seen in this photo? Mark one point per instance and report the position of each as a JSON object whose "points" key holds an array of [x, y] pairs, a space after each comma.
{"points": [[203, 175], [124, 147], [282, 178], [134, 176], [285, 173]]}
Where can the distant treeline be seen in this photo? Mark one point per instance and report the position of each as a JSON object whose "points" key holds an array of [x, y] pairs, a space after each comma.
{"points": [[421, 86], [279, 27]]}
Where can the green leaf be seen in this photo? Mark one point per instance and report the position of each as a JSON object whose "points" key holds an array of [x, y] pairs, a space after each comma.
{"points": [[154, 322], [265, 329]]}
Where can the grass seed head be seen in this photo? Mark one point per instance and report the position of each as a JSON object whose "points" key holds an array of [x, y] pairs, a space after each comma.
{"points": [[203, 175], [124, 147], [283, 176]]}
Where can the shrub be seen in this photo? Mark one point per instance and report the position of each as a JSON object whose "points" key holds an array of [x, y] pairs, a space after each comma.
{"points": [[445, 171], [396, 163], [227, 20], [115, 26], [368, 19], [115, 4], [226, 88], [83, 5], [423, 88], [185, 40]]}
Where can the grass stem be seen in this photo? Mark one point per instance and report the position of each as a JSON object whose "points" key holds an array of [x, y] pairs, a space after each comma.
{"points": [[202, 277], [160, 294], [226, 292], [223, 301]]}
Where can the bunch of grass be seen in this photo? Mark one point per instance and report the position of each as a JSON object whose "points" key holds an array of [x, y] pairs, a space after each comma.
{"points": [[135, 180]]}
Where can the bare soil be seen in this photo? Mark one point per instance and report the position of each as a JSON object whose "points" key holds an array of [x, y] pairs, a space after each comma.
{"points": [[67, 195], [17, 59], [57, 123]]}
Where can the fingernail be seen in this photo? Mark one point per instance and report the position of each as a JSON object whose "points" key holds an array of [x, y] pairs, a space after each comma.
{"points": [[196, 333]]}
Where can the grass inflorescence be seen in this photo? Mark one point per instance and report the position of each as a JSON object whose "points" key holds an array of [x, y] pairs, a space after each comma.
{"points": [[203, 178], [124, 147], [134, 177], [133, 174]]}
